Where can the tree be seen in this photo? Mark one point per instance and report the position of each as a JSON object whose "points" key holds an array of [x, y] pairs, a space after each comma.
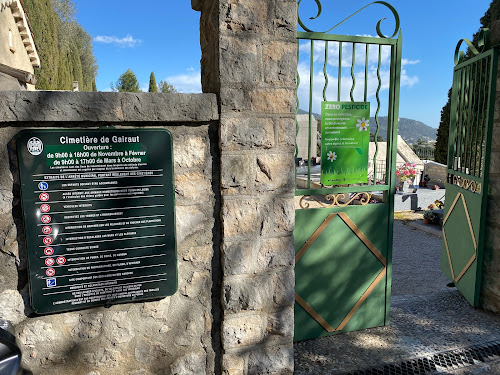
{"points": [[441, 153], [153, 87], [165, 87], [127, 82], [64, 47]]}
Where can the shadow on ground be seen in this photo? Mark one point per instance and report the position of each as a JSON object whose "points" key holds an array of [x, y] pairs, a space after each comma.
{"points": [[426, 316]]}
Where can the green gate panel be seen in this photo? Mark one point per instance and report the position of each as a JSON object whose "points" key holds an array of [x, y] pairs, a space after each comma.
{"points": [[460, 251], [338, 268], [469, 148]]}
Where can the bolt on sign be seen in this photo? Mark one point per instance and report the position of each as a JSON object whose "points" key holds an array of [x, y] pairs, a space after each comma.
{"points": [[99, 216], [345, 138]]}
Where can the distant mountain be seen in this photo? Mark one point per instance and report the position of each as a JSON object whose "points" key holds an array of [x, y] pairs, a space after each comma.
{"points": [[410, 130]]}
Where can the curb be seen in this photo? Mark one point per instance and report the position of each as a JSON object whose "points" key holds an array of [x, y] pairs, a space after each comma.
{"points": [[426, 228]]}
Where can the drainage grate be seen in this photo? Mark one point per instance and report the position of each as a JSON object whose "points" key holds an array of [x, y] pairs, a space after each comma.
{"points": [[440, 362]]}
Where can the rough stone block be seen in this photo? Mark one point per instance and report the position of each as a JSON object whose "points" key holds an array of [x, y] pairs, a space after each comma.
{"points": [[285, 19], [238, 257], [235, 170], [284, 215], [104, 358], [281, 324], [189, 151], [190, 364], [239, 61], [64, 106], [200, 257], [193, 187], [8, 274], [241, 294], [158, 310], [284, 288], [11, 306], [271, 360], [287, 133], [244, 16], [247, 133], [275, 252], [280, 62], [88, 326], [234, 99], [273, 100], [118, 328], [242, 330], [274, 172], [190, 220], [243, 217], [233, 364]]}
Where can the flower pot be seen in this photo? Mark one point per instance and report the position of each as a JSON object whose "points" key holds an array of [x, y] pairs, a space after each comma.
{"points": [[405, 187], [427, 221]]}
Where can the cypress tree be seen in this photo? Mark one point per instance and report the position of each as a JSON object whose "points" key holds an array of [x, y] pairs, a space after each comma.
{"points": [[127, 82], [94, 86], [153, 87]]}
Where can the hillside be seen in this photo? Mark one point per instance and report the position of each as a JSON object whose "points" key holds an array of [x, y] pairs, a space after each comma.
{"points": [[410, 130]]}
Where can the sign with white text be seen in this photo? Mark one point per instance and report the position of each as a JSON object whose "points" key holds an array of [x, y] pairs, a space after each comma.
{"points": [[345, 138], [98, 215]]}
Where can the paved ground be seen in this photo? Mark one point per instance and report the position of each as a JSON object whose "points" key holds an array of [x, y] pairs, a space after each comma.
{"points": [[426, 317]]}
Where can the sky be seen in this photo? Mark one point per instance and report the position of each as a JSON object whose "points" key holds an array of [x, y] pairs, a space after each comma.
{"points": [[163, 37]]}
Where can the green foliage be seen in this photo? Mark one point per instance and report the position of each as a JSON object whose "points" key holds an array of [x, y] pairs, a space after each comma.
{"points": [[441, 154], [153, 87], [165, 87], [64, 47], [127, 82], [379, 138]]}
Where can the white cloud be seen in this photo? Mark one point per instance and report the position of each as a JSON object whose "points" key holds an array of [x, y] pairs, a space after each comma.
{"points": [[346, 85], [333, 53], [127, 41], [409, 62], [186, 83]]}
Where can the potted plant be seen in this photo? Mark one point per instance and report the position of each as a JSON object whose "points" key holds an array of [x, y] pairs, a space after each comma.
{"points": [[430, 217], [406, 173]]}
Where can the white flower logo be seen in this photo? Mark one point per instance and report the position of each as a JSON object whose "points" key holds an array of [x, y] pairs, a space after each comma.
{"points": [[331, 156], [362, 124]]}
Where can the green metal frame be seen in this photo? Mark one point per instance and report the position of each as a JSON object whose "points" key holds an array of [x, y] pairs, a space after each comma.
{"points": [[333, 231], [469, 147]]}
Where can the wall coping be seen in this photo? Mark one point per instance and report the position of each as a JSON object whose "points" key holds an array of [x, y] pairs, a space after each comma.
{"points": [[98, 107]]}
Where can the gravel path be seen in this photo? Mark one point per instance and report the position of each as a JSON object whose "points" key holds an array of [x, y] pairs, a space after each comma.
{"points": [[426, 316]]}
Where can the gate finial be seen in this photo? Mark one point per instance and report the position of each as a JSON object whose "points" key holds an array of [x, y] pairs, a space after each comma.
{"points": [[379, 32], [483, 44]]}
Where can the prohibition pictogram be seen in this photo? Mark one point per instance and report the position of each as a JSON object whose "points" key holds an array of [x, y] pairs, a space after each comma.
{"points": [[47, 230], [61, 260], [50, 272], [45, 208], [44, 197], [48, 251], [47, 240], [49, 262], [46, 219]]}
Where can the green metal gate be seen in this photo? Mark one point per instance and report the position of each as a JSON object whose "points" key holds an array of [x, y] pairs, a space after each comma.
{"points": [[343, 234], [471, 121]]}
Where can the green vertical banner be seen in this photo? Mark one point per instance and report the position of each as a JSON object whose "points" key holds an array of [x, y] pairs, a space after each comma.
{"points": [[345, 138]]}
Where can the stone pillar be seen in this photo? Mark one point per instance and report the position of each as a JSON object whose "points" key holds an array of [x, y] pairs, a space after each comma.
{"points": [[490, 289], [249, 60]]}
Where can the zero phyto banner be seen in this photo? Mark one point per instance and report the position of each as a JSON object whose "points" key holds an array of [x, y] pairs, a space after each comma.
{"points": [[345, 138]]}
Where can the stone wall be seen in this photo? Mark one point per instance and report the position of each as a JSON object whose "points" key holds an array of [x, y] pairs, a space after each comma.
{"points": [[249, 60], [490, 288], [172, 335]]}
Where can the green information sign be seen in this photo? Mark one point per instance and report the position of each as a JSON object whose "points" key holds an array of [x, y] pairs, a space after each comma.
{"points": [[99, 216], [345, 138]]}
